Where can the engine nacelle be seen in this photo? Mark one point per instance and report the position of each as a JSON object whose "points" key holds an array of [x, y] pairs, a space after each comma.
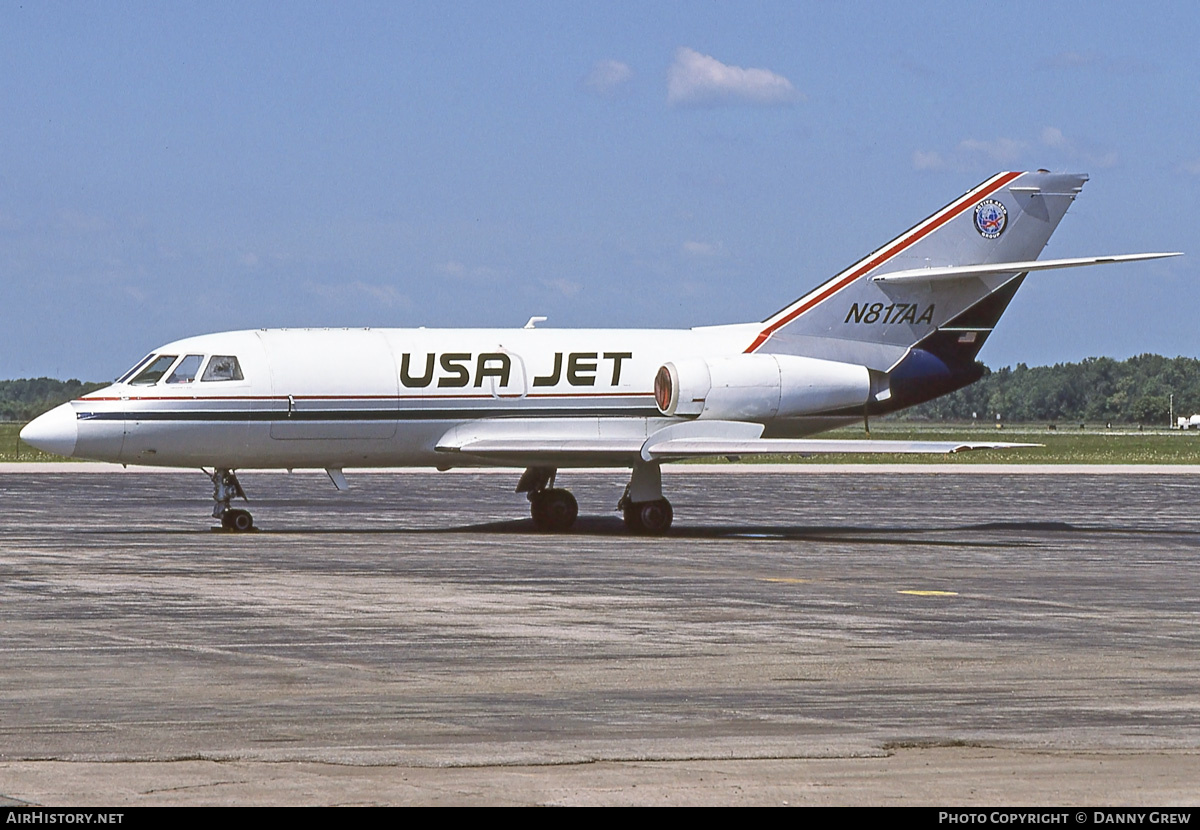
{"points": [[758, 387]]}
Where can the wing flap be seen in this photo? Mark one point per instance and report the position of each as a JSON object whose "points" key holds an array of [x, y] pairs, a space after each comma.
{"points": [[679, 448]]}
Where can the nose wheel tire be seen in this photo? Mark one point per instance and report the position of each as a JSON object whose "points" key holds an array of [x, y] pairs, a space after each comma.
{"points": [[237, 519], [553, 510], [651, 518]]}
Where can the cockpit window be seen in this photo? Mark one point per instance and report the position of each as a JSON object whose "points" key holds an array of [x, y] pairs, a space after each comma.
{"points": [[136, 366], [186, 371], [223, 367], [151, 374]]}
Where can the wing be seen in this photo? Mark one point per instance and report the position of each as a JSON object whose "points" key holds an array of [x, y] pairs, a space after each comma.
{"points": [[588, 441]]}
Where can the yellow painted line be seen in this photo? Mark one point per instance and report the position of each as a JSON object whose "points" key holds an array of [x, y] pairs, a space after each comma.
{"points": [[787, 579], [930, 593]]}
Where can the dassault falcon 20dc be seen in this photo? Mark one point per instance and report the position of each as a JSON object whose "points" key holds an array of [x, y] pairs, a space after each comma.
{"points": [[899, 327]]}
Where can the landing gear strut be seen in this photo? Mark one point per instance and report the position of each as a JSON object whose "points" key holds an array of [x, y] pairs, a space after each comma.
{"points": [[643, 506], [553, 509], [225, 487]]}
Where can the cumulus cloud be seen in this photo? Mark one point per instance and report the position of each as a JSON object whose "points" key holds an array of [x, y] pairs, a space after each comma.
{"points": [[1073, 58], [384, 295], [971, 154], [998, 150], [1098, 61], [928, 160], [701, 249], [476, 273], [608, 77], [696, 79], [975, 154], [565, 287], [452, 268], [1053, 137], [78, 221], [1075, 151]]}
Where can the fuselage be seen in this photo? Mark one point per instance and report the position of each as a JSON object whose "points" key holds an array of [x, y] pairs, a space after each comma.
{"points": [[379, 397]]}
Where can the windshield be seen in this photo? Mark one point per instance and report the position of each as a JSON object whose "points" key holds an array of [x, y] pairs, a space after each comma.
{"points": [[185, 372], [136, 366], [157, 368]]}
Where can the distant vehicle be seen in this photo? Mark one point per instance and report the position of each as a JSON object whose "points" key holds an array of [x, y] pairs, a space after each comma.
{"points": [[899, 327]]}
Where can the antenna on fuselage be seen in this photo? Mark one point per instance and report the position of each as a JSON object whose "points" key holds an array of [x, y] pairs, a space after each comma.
{"points": [[533, 321]]}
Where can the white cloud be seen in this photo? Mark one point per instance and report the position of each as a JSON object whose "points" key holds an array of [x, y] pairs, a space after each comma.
{"points": [[563, 286], [608, 77], [1073, 151], [1053, 137], [999, 150], [974, 154], [695, 79], [384, 295], [1072, 58], [478, 273], [928, 160], [971, 154], [78, 221], [692, 248]]}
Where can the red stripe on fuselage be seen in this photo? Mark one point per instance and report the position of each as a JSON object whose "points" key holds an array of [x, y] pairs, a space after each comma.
{"points": [[448, 397], [838, 283]]}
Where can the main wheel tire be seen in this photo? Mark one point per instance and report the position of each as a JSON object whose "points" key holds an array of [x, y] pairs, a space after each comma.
{"points": [[649, 517], [553, 510], [239, 520]]}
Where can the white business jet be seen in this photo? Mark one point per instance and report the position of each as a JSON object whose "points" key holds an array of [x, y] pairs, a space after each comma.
{"points": [[899, 327]]}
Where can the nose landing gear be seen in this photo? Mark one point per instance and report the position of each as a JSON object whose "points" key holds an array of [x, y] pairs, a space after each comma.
{"points": [[225, 488]]}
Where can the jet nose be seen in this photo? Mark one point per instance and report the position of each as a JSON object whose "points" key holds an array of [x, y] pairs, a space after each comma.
{"points": [[55, 432]]}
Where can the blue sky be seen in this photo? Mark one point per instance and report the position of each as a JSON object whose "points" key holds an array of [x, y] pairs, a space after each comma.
{"points": [[169, 169]]}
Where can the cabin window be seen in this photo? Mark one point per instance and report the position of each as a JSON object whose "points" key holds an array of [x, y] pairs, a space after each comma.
{"points": [[223, 367], [135, 368], [152, 373], [186, 371]]}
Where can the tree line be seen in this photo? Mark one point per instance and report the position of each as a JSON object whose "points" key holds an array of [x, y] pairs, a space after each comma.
{"points": [[25, 399], [1098, 389]]}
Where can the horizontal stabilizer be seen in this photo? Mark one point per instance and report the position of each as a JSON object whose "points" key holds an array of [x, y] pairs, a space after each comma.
{"points": [[957, 272]]}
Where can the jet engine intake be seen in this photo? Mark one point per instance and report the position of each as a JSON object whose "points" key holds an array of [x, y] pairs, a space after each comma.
{"points": [[758, 387]]}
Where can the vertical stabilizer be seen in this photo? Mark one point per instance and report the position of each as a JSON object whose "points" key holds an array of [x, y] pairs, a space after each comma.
{"points": [[1008, 218]]}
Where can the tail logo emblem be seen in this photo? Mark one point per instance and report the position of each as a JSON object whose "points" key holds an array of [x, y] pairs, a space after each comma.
{"points": [[990, 219]]}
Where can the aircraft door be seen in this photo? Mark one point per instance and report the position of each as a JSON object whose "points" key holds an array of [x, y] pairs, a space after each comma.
{"points": [[517, 386], [331, 384]]}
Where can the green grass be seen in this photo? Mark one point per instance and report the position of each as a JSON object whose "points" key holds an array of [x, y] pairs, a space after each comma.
{"points": [[12, 448], [1068, 444], [1065, 445]]}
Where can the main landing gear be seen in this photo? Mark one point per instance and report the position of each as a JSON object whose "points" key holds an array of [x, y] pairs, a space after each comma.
{"points": [[225, 487], [649, 518], [553, 509], [645, 510]]}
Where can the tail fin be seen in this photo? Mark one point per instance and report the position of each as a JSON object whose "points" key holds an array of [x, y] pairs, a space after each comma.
{"points": [[859, 318]]}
